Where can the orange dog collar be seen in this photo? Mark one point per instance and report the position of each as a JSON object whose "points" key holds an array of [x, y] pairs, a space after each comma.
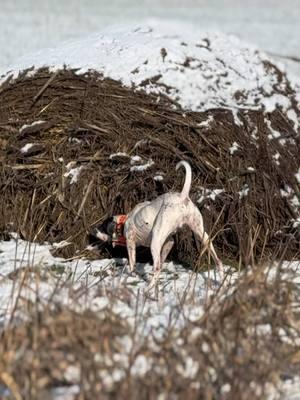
{"points": [[118, 238]]}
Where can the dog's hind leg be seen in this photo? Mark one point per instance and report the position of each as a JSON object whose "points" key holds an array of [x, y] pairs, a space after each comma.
{"points": [[166, 250], [159, 259], [196, 225], [160, 242], [156, 256]]}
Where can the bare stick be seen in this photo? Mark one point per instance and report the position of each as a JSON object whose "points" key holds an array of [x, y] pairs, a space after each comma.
{"points": [[42, 90]]}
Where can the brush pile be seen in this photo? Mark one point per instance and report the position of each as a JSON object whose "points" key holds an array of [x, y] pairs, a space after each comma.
{"points": [[75, 149]]}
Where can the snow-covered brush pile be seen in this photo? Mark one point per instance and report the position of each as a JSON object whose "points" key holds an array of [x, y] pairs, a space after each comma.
{"points": [[197, 70], [244, 344], [77, 148]]}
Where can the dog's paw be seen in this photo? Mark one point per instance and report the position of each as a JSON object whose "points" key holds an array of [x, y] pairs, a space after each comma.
{"points": [[132, 274]]}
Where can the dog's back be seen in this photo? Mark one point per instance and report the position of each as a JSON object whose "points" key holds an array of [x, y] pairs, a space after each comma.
{"points": [[144, 215]]}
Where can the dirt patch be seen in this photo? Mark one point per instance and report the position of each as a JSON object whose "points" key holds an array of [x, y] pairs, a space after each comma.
{"points": [[69, 176]]}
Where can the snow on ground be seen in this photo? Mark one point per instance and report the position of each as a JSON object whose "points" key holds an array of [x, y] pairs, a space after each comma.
{"points": [[198, 70], [176, 283]]}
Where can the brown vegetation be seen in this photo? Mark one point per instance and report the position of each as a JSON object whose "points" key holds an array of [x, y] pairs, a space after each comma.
{"points": [[245, 343]]}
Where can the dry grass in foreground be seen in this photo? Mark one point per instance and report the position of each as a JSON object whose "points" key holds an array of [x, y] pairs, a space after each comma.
{"points": [[244, 344]]}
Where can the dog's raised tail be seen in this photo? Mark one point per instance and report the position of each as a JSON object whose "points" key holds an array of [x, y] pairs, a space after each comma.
{"points": [[188, 178]]}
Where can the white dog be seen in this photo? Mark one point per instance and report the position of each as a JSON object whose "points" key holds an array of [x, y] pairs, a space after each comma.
{"points": [[153, 223]]}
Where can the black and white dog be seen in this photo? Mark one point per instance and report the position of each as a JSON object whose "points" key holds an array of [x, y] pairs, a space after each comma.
{"points": [[152, 224]]}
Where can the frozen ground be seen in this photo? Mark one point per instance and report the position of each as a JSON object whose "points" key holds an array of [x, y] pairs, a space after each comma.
{"points": [[27, 25], [177, 285]]}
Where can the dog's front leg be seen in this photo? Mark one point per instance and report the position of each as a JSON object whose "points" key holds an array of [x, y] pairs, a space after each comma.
{"points": [[131, 248]]}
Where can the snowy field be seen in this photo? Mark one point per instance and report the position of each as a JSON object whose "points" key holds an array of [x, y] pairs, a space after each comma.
{"points": [[27, 25], [176, 283]]}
